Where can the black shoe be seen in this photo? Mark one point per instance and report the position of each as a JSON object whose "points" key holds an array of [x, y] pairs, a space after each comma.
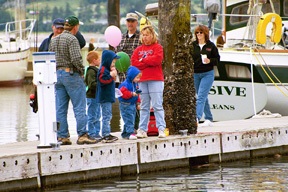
{"points": [[109, 139], [97, 138]]}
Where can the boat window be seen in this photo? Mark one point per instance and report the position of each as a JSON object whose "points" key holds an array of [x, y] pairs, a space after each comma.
{"points": [[266, 8], [285, 7], [216, 72], [237, 71], [239, 10], [242, 10]]}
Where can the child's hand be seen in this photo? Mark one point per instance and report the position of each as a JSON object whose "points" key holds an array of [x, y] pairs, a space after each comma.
{"points": [[138, 106], [113, 74], [134, 94]]}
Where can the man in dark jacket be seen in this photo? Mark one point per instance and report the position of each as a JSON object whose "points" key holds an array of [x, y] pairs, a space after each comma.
{"points": [[58, 28]]}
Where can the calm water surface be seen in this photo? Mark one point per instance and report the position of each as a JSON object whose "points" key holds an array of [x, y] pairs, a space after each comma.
{"points": [[18, 123], [261, 175]]}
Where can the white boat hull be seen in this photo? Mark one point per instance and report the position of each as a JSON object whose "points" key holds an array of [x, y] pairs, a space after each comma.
{"points": [[13, 67], [14, 51], [235, 100], [277, 101], [265, 62]]}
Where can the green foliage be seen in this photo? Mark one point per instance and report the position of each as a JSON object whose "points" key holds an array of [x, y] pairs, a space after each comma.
{"points": [[5, 16], [91, 12], [68, 10], [95, 1]]}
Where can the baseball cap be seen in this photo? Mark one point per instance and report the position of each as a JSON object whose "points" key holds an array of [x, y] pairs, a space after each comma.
{"points": [[132, 16], [58, 23], [72, 21]]}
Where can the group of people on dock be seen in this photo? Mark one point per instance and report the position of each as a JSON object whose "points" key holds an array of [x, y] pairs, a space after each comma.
{"points": [[141, 86]]}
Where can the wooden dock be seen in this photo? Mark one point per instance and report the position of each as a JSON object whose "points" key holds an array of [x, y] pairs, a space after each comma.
{"points": [[24, 166]]}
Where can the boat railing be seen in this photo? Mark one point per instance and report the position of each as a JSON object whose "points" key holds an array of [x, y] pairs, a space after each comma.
{"points": [[21, 29], [16, 35], [239, 23]]}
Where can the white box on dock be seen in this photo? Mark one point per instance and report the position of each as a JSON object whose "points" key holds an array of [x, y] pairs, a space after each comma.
{"points": [[44, 68]]}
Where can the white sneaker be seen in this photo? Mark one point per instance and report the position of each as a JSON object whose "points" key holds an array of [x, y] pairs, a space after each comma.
{"points": [[141, 134], [206, 123], [132, 137], [161, 134]]}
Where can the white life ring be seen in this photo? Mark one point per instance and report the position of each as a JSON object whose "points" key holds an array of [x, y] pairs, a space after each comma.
{"points": [[276, 29]]}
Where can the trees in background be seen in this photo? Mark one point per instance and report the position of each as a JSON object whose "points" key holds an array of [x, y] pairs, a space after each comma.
{"points": [[93, 13], [5, 16]]}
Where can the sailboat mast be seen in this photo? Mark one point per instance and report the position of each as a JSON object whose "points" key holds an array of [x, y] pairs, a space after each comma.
{"points": [[20, 10], [20, 14]]}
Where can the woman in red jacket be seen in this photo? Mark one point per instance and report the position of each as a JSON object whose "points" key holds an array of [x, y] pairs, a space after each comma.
{"points": [[148, 58]]}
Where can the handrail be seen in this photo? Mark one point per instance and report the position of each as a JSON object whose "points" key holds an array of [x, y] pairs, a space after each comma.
{"points": [[16, 27]]}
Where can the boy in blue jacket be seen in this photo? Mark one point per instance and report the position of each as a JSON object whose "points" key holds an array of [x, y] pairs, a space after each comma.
{"points": [[128, 100], [105, 94]]}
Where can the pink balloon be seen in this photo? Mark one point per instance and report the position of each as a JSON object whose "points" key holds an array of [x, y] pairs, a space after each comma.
{"points": [[113, 35]]}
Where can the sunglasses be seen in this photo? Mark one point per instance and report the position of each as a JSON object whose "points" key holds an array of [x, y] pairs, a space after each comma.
{"points": [[199, 32]]}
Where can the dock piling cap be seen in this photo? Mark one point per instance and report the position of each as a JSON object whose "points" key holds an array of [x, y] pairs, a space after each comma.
{"points": [[183, 132]]}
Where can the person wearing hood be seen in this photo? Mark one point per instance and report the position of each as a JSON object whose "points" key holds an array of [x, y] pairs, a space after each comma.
{"points": [[127, 102], [105, 94]]}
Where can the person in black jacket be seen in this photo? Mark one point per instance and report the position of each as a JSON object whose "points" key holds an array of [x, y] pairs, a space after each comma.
{"points": [[58, 28], [93, 108], [205, 56]]}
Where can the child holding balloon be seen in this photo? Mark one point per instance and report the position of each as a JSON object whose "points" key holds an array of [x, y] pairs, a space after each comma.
{"points": [[105, 94], [128, 100]]}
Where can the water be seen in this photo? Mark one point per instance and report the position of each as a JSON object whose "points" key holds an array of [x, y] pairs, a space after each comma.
{"points": [[18, 123], [267, 174]]}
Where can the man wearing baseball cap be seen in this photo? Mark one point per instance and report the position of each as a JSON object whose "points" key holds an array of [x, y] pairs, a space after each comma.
{"points": [[57, 28], [130, 39], [70, 83], [72, 21]]}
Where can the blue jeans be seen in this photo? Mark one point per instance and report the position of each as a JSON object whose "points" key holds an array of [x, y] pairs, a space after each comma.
{"points": [[128, 112], [152, 93], [94, 115], [211, 16], [70, 87], [106, 118], [203, 83]]}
